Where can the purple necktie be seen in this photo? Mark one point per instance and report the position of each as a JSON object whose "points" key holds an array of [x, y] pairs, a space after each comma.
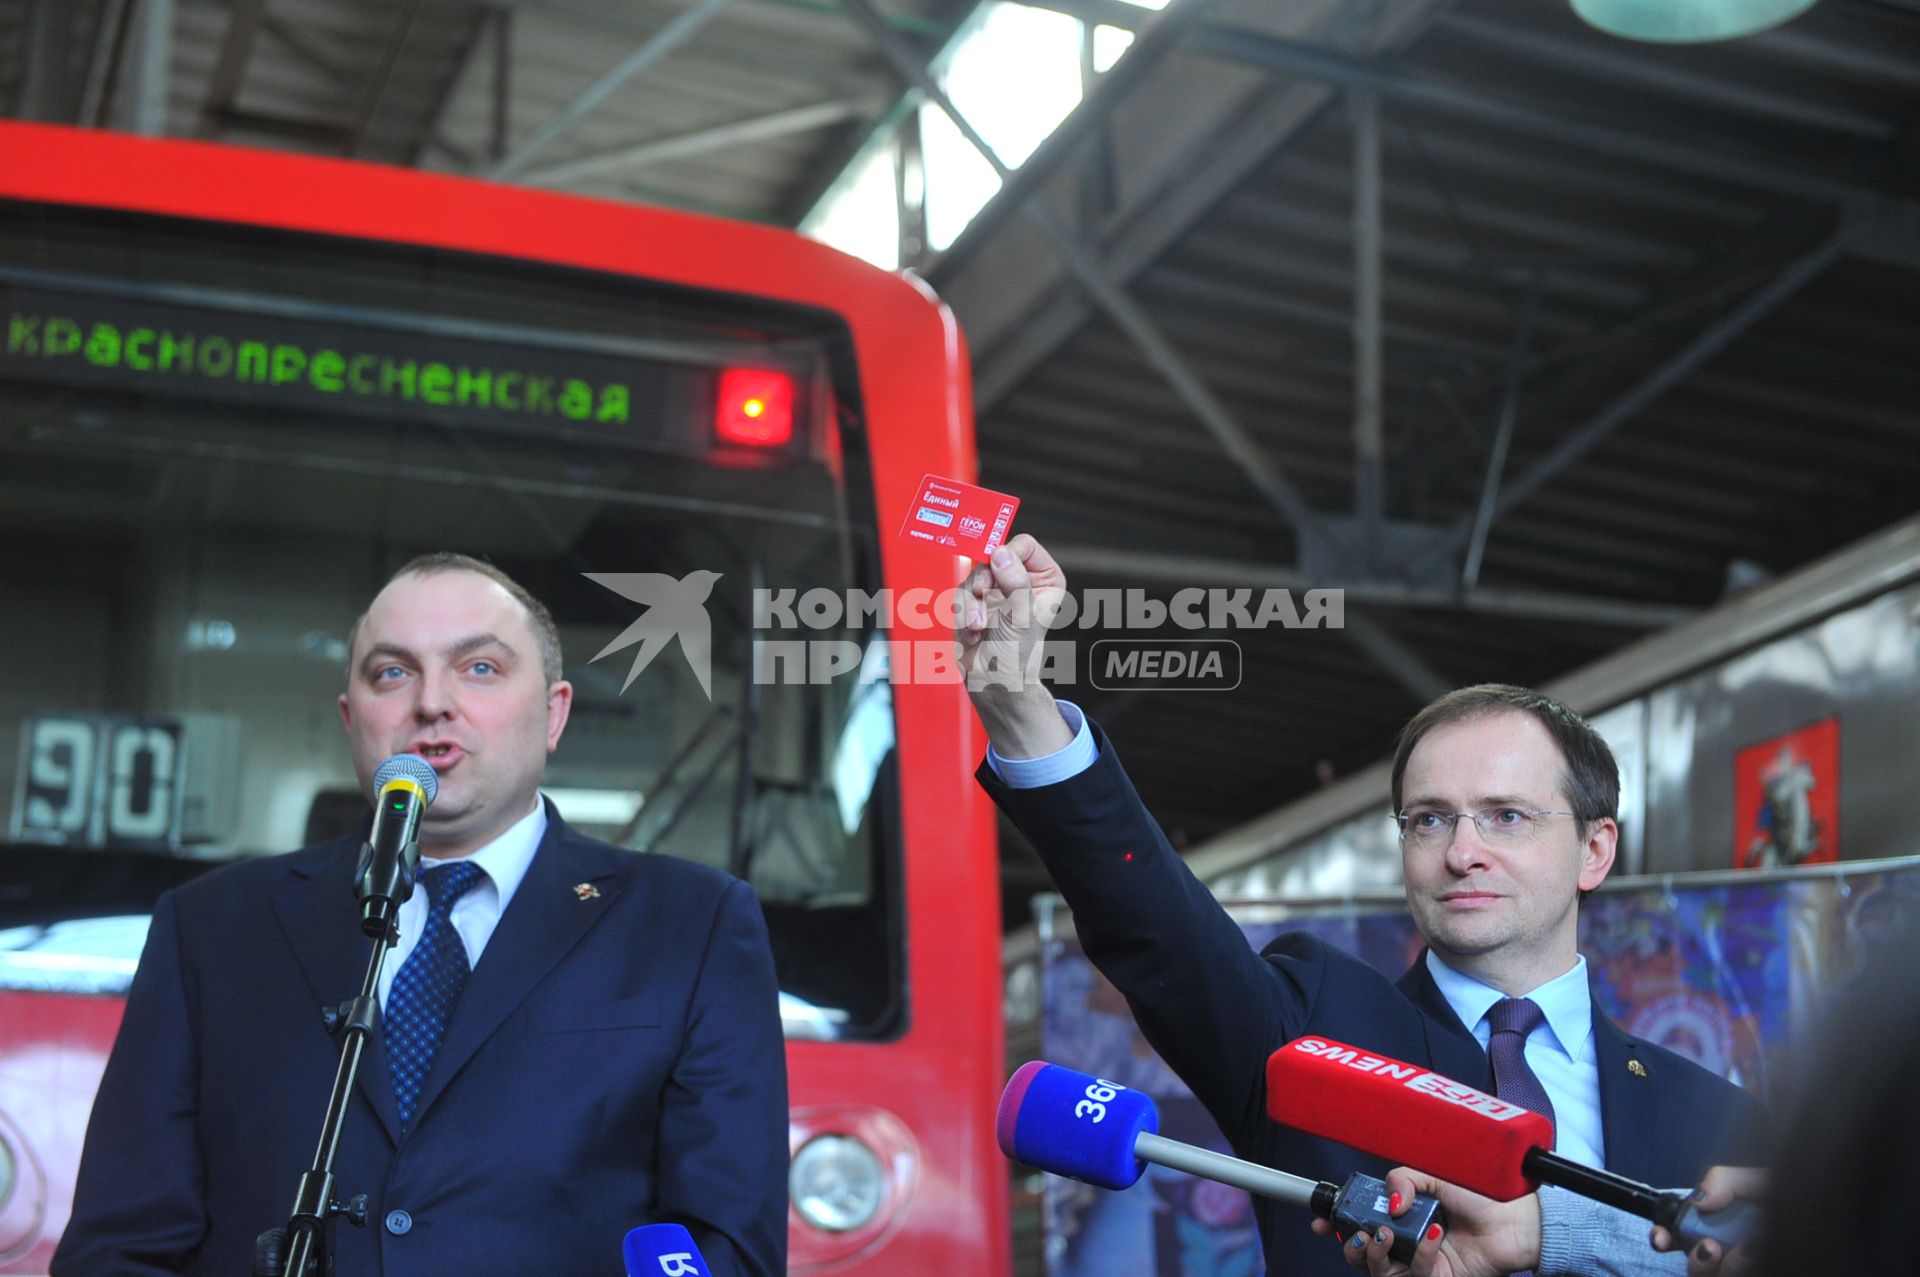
{"points": [[1512, 1019]]}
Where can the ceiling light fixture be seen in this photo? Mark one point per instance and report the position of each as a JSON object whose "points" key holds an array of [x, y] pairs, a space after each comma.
{"points": [[1688, 21]]}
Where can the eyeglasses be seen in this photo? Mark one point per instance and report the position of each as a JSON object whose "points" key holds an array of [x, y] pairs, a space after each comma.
{"points": [[1501, 826]]}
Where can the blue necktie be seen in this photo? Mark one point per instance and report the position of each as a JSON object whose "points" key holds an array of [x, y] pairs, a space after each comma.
{"points": [[1512, 1019], [421, 1000]]}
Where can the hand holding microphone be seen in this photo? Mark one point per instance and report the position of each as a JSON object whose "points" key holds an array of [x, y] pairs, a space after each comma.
{"points": [[1089, 1129], [1411, 1115], [1484, 1238], [1723, 1186]]}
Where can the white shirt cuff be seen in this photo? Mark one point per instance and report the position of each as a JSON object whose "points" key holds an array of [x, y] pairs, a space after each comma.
{"points": [[1050, 769]]}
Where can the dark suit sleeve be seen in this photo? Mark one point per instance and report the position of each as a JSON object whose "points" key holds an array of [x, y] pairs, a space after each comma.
{"points": [[1209, 1004], [723, 1120], [138, 1204]]}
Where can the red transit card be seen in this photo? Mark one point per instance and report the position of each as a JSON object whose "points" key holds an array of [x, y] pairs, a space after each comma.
{"points": [[962, 516]]}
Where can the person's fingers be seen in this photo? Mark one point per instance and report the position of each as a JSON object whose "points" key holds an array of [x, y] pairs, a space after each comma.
{"points": [[1009, 569], [1662, 1239], [1722, 1184], [1403, 1184], [1354, 1251], [1025, 548], [1426, 1256], [1040, 564], [1379, 1263], [968, 614], [1704, 1259]]}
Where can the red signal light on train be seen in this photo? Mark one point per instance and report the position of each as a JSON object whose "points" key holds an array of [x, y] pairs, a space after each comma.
{"points": [[754, 407]]}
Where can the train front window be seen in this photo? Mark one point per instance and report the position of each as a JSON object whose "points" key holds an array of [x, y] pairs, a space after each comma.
{"points": [[215, 443]]}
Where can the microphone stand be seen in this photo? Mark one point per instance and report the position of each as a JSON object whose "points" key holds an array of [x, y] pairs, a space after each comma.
{"points": [[303, 1245]]}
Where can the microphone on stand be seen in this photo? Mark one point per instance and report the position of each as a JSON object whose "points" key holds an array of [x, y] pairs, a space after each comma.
{"points": [[390, 860], [1416, 1117], [389, 863]]}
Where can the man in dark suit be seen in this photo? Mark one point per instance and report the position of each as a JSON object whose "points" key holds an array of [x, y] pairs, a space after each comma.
{"points": [[1507, 805], [575, 1039]]}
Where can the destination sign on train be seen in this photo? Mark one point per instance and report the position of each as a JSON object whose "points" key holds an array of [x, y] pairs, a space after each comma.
{"points": [[283, 361]]}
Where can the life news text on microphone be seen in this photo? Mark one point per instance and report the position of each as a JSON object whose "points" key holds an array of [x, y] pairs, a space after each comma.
{"points": [[404, 787], [1416, 1117], [1090, 1129], [663, 1250]]}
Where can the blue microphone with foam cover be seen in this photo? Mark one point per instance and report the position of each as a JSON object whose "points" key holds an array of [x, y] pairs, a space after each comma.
{"points": [[1075, 1125], [663, 1250], [1090, 1129]]}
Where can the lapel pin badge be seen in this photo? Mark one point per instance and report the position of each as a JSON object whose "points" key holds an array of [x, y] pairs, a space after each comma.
{"points": [[587, 891], [1636, 1068]]}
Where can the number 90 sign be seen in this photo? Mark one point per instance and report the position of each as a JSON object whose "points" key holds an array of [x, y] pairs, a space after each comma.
{"points": [[99, 781]]}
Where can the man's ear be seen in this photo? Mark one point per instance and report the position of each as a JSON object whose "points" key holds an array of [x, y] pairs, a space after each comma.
{"points": [[1597, 852], [559, 706]]}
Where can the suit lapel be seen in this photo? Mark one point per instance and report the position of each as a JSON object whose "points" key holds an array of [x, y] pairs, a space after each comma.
{"points": [[1451, 1047], [545, 919], [316, 909], [1628, 1090]]}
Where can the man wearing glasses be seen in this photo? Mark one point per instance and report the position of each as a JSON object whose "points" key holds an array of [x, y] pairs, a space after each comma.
{"points": [[1507, 805]]}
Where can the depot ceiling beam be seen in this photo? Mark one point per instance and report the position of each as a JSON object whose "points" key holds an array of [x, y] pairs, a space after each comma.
{"points": [[1316, 62], [109, 37], [152, 66], [1502, 440], [1156, 220], [664, 41], [1182, 571], [230, 66], [486, 31], [757, 128], [1369, 472], [1624, 63], [1707, 343], [382, 75], [1396, 658], [1266, 476]]}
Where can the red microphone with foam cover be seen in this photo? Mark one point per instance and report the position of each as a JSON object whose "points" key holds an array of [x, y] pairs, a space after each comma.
{"points": [[1407, 1114]]}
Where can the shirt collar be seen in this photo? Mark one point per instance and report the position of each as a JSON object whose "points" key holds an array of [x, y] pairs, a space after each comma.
{"points": [[1566, 1001], [506, 859]]}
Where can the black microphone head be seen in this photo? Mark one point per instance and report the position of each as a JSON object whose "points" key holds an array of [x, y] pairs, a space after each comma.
{"points": [[408, 767]]}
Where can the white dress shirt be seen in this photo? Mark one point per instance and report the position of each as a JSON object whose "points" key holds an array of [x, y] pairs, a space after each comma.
{"points": [[503, 863]]}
